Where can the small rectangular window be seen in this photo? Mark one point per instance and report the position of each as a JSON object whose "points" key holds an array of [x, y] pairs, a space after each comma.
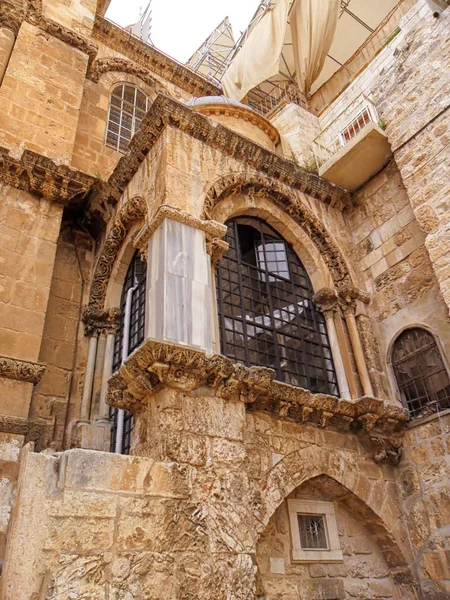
{"points": [[313, 532]]}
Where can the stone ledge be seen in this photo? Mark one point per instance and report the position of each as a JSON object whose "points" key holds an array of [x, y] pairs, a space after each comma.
{"points": [[39, 432], [158, 364]]}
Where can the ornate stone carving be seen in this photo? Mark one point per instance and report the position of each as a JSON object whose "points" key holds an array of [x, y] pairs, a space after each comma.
{"points": [[42, 177], [99, 321], [282, 195], [217, 249], [106, 65], [348, 296], [35, 431], [212, 229], [133, 210], [387, 450], [10, 17], [20, 370], [150, 58], [158, 363], [326, 300]]}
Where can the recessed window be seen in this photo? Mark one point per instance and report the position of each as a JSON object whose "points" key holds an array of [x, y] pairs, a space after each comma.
{"points": [[314, 531], [127, 107], [266, 313], [421, 375]]}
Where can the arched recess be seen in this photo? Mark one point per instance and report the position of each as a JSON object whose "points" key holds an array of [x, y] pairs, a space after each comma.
{"points": [[259, 186], [134, 210], [106, 65], [378, 510]]}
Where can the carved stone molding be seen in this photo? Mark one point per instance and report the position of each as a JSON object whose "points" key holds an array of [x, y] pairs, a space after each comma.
{"points": [[10, 17], [39, 432], [157, 363], [150, 58], [99, 321], [20, 370], [326, 300], [273, 173], [42, 177], [260, 185], [134, 209], [106, 65], [349, 295], [212, 229], [217, 249]]}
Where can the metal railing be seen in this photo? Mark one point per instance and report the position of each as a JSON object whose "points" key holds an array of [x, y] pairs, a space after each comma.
{"points": [[346, 126], [263, 102]]}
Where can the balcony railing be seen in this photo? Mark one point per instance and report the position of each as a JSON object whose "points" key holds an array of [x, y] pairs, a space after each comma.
{"points": [[267, 97], [344, 128]]}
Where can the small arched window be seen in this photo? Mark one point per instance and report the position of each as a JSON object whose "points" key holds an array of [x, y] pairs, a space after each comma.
{"points": [[420, 372], [266, 313], [127, 107], [135, 279]]}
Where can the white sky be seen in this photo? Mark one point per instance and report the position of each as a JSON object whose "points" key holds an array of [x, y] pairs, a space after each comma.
{"points": [[181, 26]]}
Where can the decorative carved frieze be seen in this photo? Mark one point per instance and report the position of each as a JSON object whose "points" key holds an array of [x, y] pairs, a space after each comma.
{"points": [[39, 432], [150, 58], [132, 211], [158, 363], [20, 370], [42, 177], [99, 321], [106, 65], [273, 173], [259, 185], [212, 229]]}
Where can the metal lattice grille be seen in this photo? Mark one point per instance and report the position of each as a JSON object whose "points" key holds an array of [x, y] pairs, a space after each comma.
{"points": [[420, 372], [266, 314], [136, 276], [127, 108], [313, 532]]}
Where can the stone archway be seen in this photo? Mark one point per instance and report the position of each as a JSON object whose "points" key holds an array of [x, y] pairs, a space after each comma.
{"points": [[259, 185], [132, 211], [106, 65]]}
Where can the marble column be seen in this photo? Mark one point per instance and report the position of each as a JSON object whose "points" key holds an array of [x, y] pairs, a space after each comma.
{"points": [[89, 380], [103, 408], [327, 302], [179, 286], [7, 40], [348, 298]]}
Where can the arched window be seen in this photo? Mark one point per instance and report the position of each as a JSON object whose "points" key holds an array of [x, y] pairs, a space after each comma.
{"points": [[420, 372], [266, 314], [136, 280], [127, 107]]}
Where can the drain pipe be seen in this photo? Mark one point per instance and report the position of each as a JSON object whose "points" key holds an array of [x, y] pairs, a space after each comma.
{"points": [[125, 347]]}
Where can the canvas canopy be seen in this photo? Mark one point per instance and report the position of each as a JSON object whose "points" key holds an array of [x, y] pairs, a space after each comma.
{"points": [[294, 35]]}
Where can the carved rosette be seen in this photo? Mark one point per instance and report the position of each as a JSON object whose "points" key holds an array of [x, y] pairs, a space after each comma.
{"points": [[98, 321], [20, 370], [158, 364], [134, 209]]}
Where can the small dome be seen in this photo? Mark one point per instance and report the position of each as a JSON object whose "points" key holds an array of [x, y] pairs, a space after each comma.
{"points": [[216, 100]]}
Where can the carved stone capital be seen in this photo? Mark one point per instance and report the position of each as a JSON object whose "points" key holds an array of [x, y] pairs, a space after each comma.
{"points": [[158, 364], [217, 249], [326, 301], [387, 450], [98, 321], [10, 17], [212, 229], [349, 295], [20, 370], [42, 177]]}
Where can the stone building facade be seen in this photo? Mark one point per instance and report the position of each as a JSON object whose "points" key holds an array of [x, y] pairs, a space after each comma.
{"points": [[266, 351]]}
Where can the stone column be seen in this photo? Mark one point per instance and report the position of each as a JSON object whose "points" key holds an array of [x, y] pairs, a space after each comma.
{"points": [[103, 408], [7, 40], [89, 379], [348, 297], [327, 302], [180, 279]]}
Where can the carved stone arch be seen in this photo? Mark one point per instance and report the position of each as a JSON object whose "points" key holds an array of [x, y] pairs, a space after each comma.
{"points": [[379, 511], [132, 211], [123, 65], [259, 185]]}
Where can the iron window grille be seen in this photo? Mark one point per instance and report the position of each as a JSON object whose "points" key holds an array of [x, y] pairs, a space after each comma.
{"points": [[420, 372], [266, 313], [127, 107], [136, 276], [313, 532]]}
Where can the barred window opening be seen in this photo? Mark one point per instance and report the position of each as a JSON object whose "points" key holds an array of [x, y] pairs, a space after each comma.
{"points": [[127, 107], [136, 276], [421, 375], [266, 313]]}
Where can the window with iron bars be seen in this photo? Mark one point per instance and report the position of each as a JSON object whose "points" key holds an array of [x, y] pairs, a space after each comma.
{"points": [[421, 374], [127, 107], [136, 276], [266, 313]]}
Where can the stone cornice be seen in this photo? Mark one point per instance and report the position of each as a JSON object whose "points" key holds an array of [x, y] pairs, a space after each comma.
{"points": [[166, 112], [42, 177], [149, 57], [21, 370], [98, 321], [158, 364]]}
